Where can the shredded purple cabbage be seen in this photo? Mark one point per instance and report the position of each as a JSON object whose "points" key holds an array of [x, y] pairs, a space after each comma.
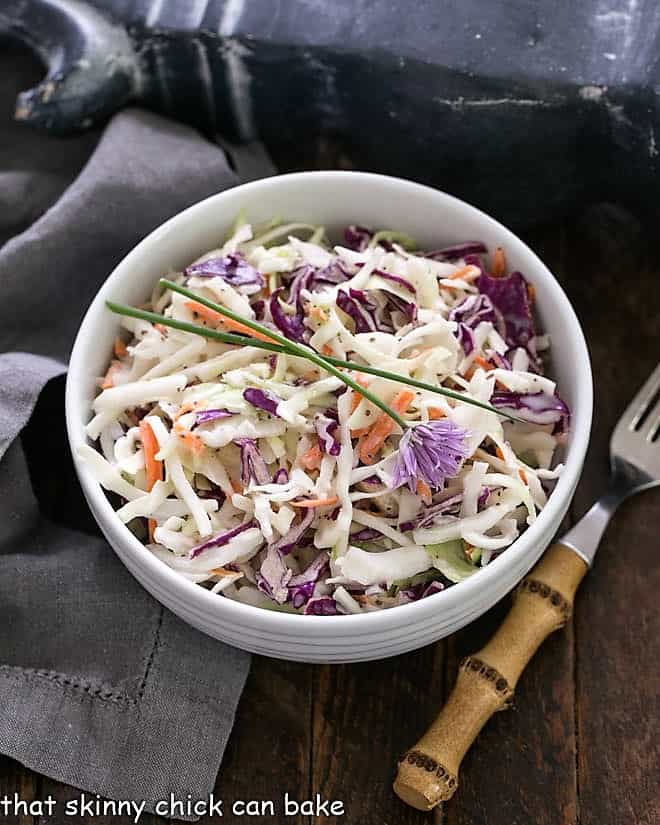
{"points": [[301, 587], [253, 466], [398, 304], [466, 338], [326, 429], [281, 476], [357, 237], [331, 275], [537, 408], [294, 537], [261, 399], [454, 253], [366, 534], [222, 539], [483, 498], [321, 606], [510, 295], [364, 320], [499, 360], [448, 506], [396, 279], [421, 591], [233, 269], [293, 326], [274, 576], [205, 416], [477, 308]]}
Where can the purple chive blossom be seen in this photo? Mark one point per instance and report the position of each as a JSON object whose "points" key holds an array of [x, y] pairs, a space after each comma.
{"points": [[431, 452]]}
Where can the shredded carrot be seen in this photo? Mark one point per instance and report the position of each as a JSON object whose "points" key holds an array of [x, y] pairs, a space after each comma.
{"points": [[531, 292], [326, 349], [192, 441], [499, 262], [499, 453], [424, 491], [222, 571], [355, 401], [212, 317], [372, 442], [523, 475], [483, 363], [318, 314], [435, 413], [108, 381], [465, 273], [119, 348], [315, 502], [236, 486], [161, 328], [478, 362], [363, 381], [360, 432], [311, 459], [153, 467]]}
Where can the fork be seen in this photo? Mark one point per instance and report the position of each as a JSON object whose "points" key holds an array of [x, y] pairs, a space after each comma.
{"points": [[543, 602]]}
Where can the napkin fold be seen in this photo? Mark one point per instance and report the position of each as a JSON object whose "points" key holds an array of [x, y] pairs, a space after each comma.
{"points": [[100, 687]]}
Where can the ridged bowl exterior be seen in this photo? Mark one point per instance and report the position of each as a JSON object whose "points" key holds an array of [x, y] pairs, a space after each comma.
{"points": [[332, 199]]}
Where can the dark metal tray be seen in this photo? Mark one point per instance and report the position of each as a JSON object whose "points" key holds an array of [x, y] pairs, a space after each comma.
{"points": [[525, 107]]}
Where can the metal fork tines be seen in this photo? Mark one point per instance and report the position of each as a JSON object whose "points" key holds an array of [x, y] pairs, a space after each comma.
{"points": [[635, 462]]}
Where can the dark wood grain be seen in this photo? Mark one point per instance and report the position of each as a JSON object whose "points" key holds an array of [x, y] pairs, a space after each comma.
{"points": [[617, 616], [15, 779], [271, 754], [365, 716]]}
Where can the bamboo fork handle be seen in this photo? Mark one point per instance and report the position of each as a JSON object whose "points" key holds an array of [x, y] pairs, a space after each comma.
{"points": [[428, 773]]}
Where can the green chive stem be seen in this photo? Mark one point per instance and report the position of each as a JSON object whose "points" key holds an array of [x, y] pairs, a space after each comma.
{"points": [[322, 361]]}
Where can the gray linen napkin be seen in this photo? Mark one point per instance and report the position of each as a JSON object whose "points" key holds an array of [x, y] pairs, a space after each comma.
{"points": [[100, 687]]}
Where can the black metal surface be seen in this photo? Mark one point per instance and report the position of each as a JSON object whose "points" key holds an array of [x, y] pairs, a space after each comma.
{"points": [[523, 107]]}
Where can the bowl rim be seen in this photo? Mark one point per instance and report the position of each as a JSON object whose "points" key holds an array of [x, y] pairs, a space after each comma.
{"points": [[212, 606]]}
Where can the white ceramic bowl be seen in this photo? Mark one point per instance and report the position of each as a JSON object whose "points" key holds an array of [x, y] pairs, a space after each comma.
{"points": [[333, 199]]}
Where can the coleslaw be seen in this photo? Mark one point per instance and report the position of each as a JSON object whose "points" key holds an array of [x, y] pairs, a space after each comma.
{"points": [[264, 478]]}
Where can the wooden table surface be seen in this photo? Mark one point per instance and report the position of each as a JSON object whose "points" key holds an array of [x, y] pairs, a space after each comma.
{"points": [[579, 745]]}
